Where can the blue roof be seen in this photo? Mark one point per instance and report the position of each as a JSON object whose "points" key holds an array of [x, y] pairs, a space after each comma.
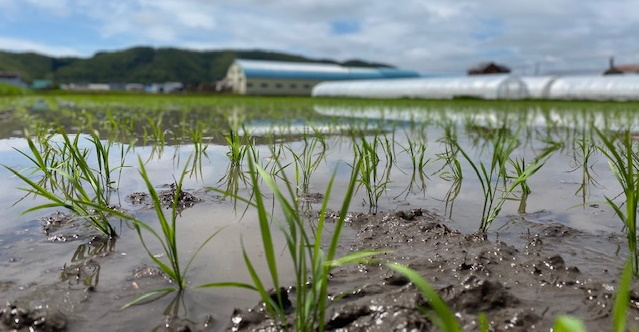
{"points": [[316, 71]]}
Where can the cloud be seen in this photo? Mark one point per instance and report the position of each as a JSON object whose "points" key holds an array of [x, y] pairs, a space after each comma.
{"points": [[434, 35], [18, 45]]}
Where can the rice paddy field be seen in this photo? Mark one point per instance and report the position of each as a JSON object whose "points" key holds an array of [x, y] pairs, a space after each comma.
{"points": [[138, 212]]}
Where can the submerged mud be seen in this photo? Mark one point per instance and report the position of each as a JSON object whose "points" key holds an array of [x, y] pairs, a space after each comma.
{"points": [[521, 286]]}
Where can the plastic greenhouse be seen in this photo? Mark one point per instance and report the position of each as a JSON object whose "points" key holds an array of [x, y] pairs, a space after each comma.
{"points": [[480, 86], [538, 86], [611, 87]]}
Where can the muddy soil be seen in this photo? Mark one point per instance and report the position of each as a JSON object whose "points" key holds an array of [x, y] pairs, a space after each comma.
{"points": [[522, 281], [525, 273]]}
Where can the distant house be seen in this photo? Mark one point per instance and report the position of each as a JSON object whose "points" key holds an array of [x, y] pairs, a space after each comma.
{"points": [[13, 79], [85, 87], [134, 87], [620, 69], [166, 87], [259, 77], [484, 68], [41, 84]]}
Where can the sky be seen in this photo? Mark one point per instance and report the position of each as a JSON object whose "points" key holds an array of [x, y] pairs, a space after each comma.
{"points": [[431, 36]]}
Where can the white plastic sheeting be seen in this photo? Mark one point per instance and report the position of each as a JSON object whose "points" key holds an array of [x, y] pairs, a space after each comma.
{"points": [[610, 87], [538, 86], [479, 86]]}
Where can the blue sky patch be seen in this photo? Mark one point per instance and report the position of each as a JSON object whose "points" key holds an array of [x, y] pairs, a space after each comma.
{"points": [[345, 27], [489, 29]]}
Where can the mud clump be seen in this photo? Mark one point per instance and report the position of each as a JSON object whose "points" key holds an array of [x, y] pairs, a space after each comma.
{"points": [[19, 318], [184, 199], [520, 286], [55, 221]]}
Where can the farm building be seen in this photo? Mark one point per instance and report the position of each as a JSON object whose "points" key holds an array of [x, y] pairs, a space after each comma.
{"points": [[485, 68], [13, 79], [257, 77], [480, 86]]}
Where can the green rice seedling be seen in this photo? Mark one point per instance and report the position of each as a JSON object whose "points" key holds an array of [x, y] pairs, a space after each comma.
{"points": [[622, 299], [416, 150], [157, 134], [519, 166], [312, 264], [586, 148], [569, 324], [166, 237], [309, 159], [388, 147], [494, 178], [237, 147], [449, 156], [72, 182], [520, 170], [624, 160], [441, 315], [367, 175]]}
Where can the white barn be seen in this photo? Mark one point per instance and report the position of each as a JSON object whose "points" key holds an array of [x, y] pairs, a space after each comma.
{"points": [[258, 77]]}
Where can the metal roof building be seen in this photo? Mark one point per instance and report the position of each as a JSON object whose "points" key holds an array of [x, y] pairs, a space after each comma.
{"points": [[494, 86], [258, 77]]}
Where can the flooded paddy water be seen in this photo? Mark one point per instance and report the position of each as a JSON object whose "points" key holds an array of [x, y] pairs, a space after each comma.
{"points": [[418, 199]]}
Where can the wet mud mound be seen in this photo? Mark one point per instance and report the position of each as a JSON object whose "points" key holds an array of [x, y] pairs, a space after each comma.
{"points": [[522, 287]]}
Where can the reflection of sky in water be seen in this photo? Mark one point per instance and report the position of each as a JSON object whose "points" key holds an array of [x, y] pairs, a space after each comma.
{"points": [[553, 199], [553, 187]]}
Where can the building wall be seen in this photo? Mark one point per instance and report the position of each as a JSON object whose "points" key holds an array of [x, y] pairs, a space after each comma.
{"points": [[275, 87], [255, 77], [235, 79], [13, 81]]}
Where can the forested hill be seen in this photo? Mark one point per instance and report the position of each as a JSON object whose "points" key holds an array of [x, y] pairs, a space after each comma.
{"points": [[143, 65]]}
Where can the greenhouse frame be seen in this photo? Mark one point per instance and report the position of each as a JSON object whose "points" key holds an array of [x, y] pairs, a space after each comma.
{"points": [[480, 86]]}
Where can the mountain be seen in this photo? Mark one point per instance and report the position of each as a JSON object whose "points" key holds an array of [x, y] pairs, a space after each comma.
{"points": [[144, 65]]}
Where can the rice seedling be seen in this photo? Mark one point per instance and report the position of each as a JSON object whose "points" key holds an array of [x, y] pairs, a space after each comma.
{"points": [[520, 168], [622, 299], [568, 324], [70, 181], [416, 150], [366, 170], [312, 264], [494, 176], [624, 160], [157, 134], [237, 147], [167, 237], [586, 148], [441, 316], [449, 156], [309, 159]]}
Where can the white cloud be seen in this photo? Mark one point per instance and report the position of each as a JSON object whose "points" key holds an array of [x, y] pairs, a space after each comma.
{"points": [[13, 44], [434, 35]]}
